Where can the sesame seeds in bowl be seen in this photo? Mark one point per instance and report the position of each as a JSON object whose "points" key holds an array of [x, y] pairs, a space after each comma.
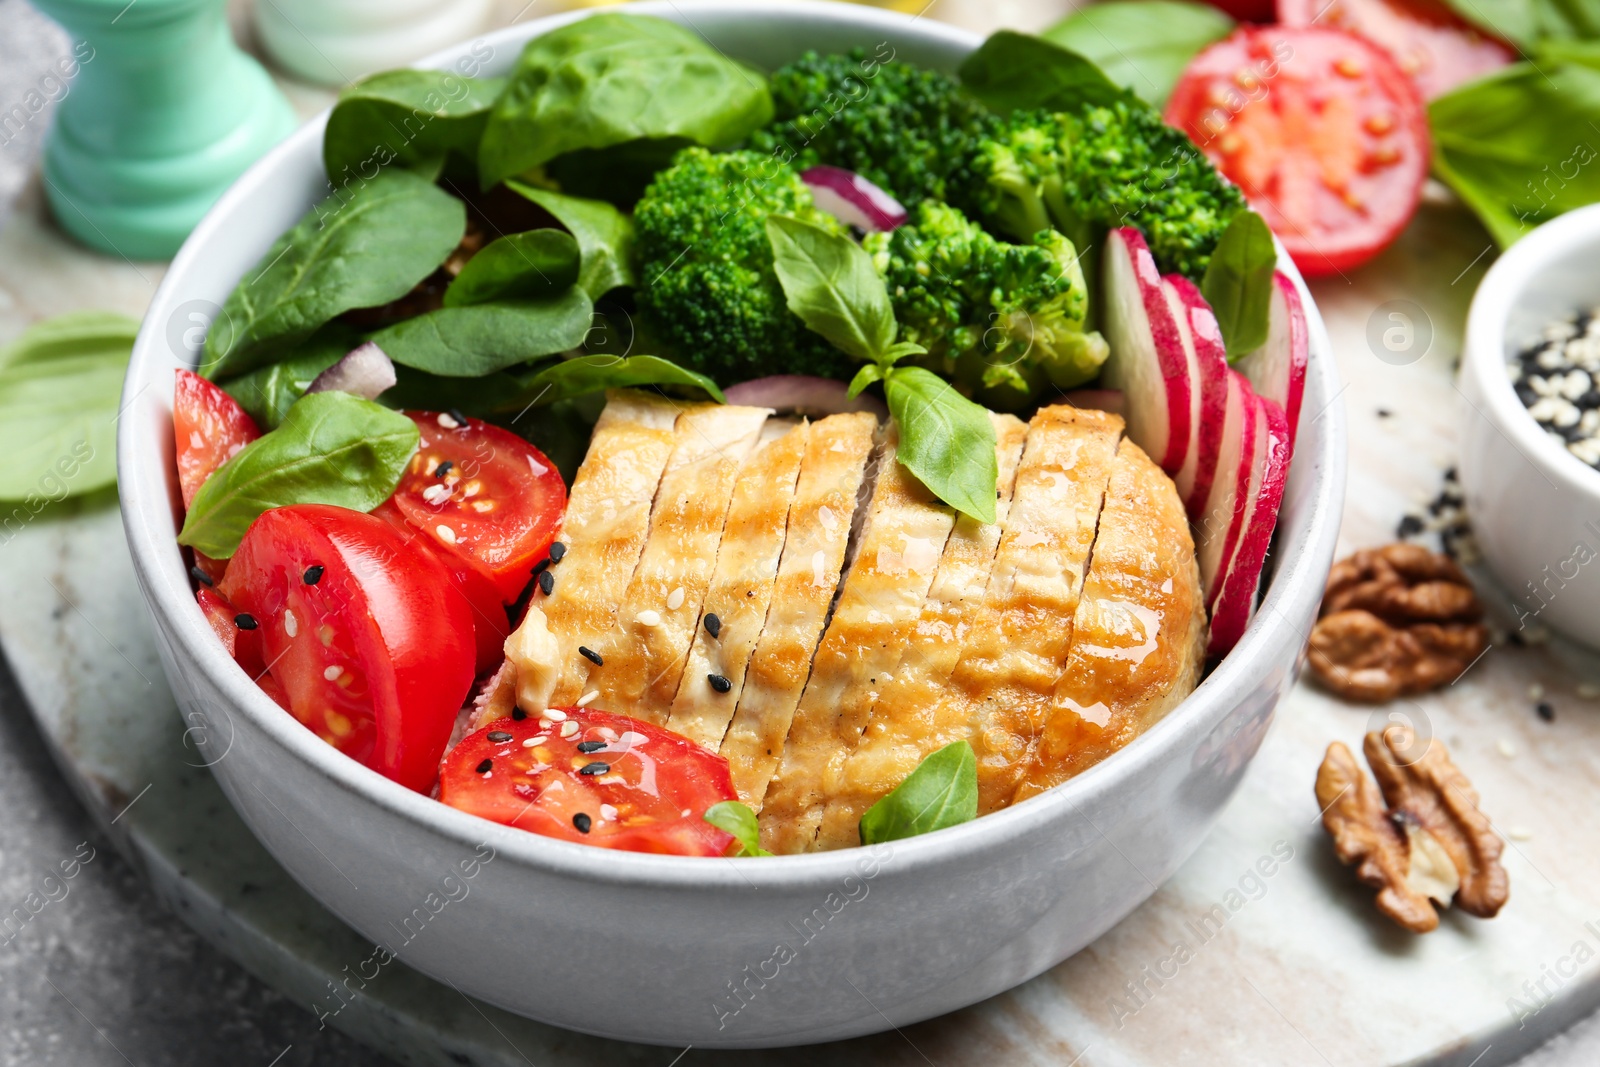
{"points": [[1557, 378]]}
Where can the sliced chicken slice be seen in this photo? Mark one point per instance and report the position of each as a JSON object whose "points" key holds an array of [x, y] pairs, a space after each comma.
{"points": [[635, 667], [900, 545], [604, 530], [1138, 640], [741, 586], [903, 729], [826, 498]]}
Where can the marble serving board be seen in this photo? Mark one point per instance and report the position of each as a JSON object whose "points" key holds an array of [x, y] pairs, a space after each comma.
{"points": [[1261, 950]]}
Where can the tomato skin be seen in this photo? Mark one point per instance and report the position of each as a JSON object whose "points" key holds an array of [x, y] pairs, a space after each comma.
{"points": [[208, 428], [1325, 136], [500, 499], [651, 799], [375, 656]]}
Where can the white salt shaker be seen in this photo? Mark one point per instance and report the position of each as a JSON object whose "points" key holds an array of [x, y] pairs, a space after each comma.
{"points": [[335, 42]]}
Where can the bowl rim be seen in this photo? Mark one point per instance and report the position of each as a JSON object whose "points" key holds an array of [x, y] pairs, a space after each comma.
{"points": [[146, 501]]}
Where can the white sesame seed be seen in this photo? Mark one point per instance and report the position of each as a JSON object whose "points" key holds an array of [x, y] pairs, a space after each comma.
{"points": [[555, 715], [436, 494], [568, 728], [472, 488], [1535, 691], [1506, 748], [675, 599], [532, 742], [1575, 384], [1588, 690], [448, 422], [332, 673], [446, 534], [1514, 372], [1554, 356], [481, 506], [291, 625], [544, 724], [608, 813], [1520, 833], [583, 701], [1567, 413], [648, 618]]}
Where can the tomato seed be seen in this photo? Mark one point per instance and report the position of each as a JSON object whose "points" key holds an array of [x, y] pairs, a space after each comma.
{"points": [[1350, 67]]}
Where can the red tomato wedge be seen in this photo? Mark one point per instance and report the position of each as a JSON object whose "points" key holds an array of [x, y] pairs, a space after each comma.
{"points": [[243, 645], [1325, 136], [365, 634], [1432, 44], [484, 494], [594, 778], [208, 427]]}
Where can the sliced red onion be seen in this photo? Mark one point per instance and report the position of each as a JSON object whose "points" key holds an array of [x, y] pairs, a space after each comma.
{"points": [[853, 200], [1098, 400], [800, 394], [364, 371]]}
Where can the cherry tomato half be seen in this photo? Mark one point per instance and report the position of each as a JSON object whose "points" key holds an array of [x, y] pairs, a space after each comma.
{"points": [[482, 493], [1437, 48], [208, 427], [1319, 129], [594, 778], [365, 633]]}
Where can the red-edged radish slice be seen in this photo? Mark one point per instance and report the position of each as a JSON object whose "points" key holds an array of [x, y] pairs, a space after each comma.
{"points": [[853, 200], [1208, 388], [1277, 369], [1148, 362], [1236, 597], [1097, 400], [1217, 525]]}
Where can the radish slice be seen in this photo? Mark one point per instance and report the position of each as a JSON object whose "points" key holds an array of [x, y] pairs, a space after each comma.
{"points": [[1148, 362], [1097, 400], [1209, 388], [364, 371], [801, 394], [853, 200], [1236, 596], [1277, 369], [1216, 525]]}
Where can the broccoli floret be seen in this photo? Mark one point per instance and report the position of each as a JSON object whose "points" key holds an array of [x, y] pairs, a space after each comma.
{"points": [[1003, 320], [906, 129], [707, 288]]}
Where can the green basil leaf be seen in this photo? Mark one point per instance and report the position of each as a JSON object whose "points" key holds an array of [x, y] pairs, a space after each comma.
{"points": [[1142, 45], [829, 282], [532, 264], [732, 817], [613, 78], [362, 247], [604, 235], [941, 792], [1017, 72], [60, 387], [872, 372], [413, 118], [333, 448], [589, 374], [268, 393], [1238, 282], [946, 440], [462, 342]]}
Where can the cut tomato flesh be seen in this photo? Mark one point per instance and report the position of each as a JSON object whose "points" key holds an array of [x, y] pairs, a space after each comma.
{"points": [[208, 429], [1431, 44]]}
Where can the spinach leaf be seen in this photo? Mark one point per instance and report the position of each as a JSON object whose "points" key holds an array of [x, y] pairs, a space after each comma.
{"points": [[1142, 45], [333, 448], [1238, 282], [60, 387], [604, 235], [941, 792], [532, 264], [946, 440], [617, 173], [732, 817], [413, 118], [479, 397], [1017, 72], [1527, 23], [268, 393], [461, 342], [613, 78], [829, 282], [366, 245], [589, 374]]}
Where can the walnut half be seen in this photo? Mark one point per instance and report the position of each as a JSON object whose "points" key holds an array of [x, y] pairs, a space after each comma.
{"points": [[1423, 840]]}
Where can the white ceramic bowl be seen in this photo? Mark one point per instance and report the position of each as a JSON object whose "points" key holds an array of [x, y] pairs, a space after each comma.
{"points": [[675, 950], [1535, 507]]}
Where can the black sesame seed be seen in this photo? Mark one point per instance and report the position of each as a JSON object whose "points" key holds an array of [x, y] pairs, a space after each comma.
{"points": [[1384, 413], [518, 714], [713, 625], [594, 768], [547, 582], [444, 468], [582, 822], [719, 683], [1546, 712], [591, 655], [313, 574], [497, 736], [245, 621], [201, 576], [540, 567], [486, 766], [455, 413], [591, 746], [1409, 526], [557, 550]]}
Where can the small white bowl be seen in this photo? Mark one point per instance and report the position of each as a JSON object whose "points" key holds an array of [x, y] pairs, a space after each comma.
{"points": [[1535, 507], [674, 950]]}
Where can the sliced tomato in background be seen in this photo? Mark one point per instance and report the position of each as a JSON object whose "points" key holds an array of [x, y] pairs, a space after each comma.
{"points": [[1431, 44], [1321, 131], [1246, 10], [374, 653], [208, 428], [482, 493], [649, 793]]}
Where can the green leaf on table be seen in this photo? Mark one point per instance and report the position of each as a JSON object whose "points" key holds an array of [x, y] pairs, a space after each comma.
{"points": [[362, 247], [946, 440], [1142, 45], [604, 235], [532, 264], [60, 391], [334, 448], [1017, 72], [590, 374], [941, 792], [460, 342], [1238, 282], [829, 282], [267, 393], [614, 78], [413, 118], [732, 817]]}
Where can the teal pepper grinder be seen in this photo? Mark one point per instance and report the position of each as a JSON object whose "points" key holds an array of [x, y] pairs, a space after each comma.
{"points": [[165, 113]]}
